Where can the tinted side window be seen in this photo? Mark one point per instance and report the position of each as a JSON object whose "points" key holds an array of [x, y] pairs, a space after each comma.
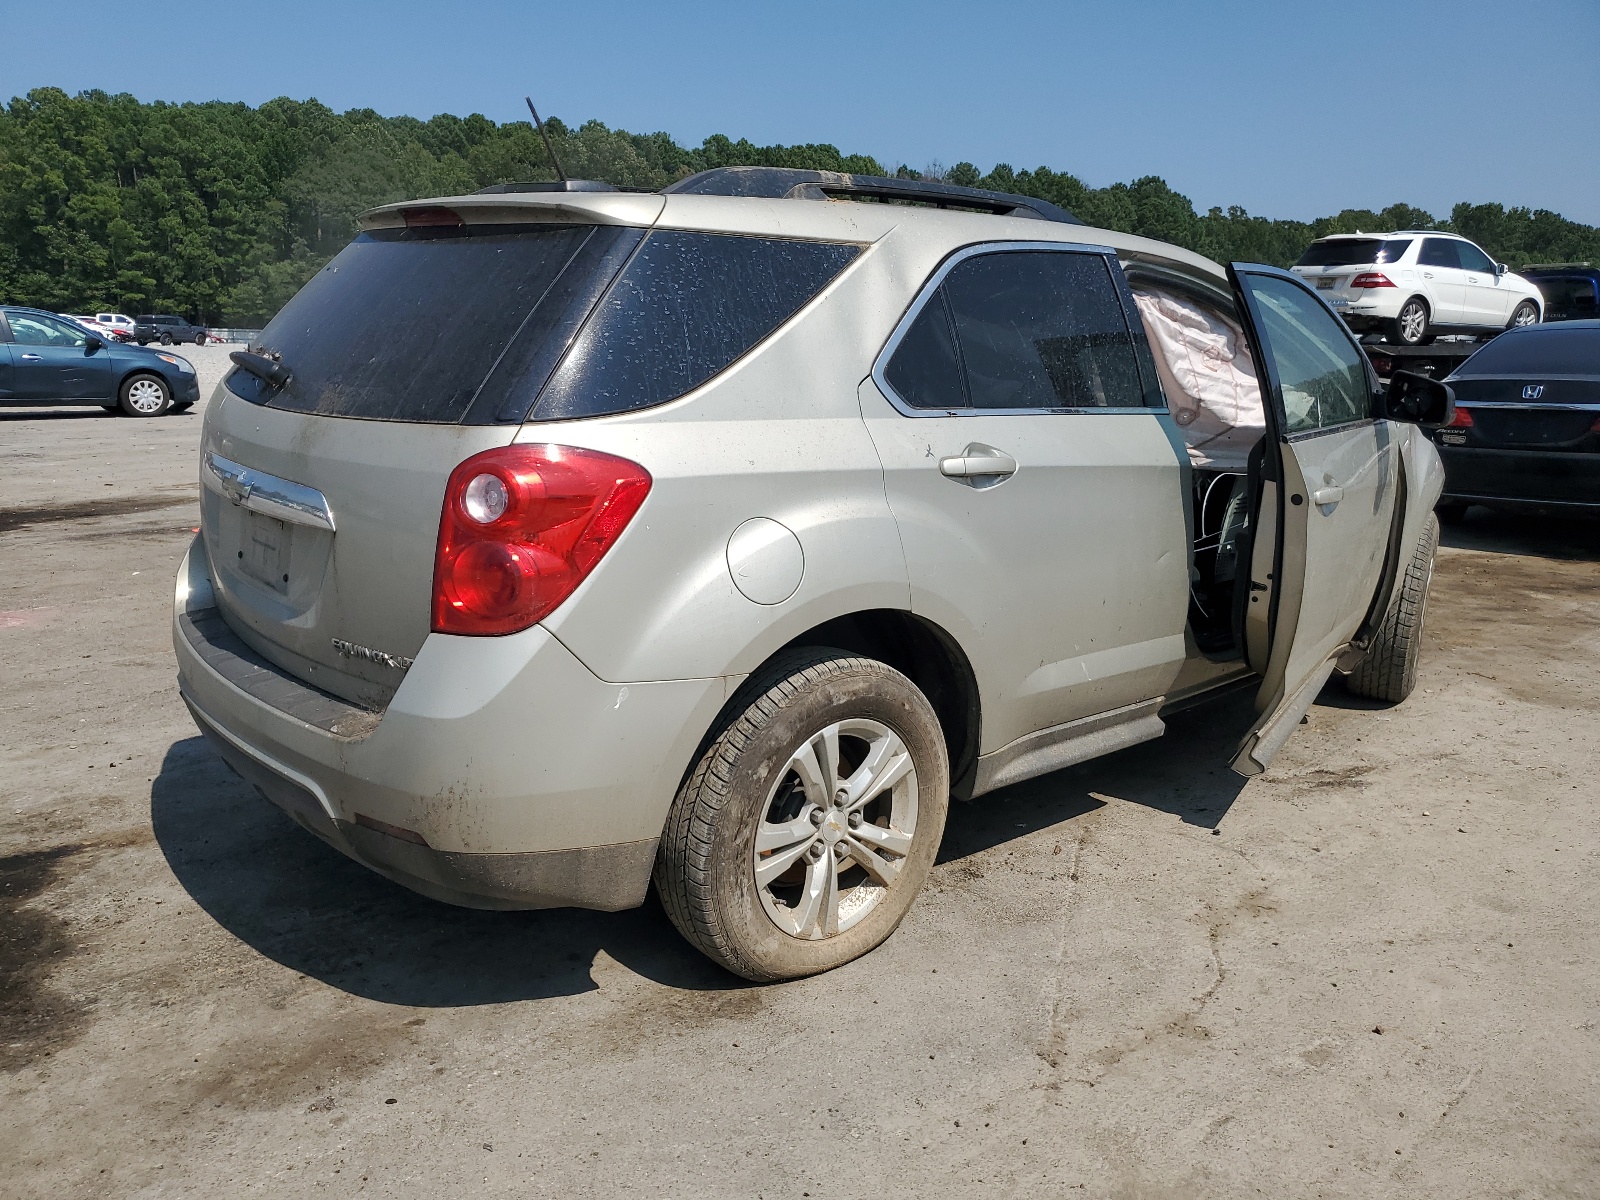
{"points": [[1474, 259], [685, 308], [925, 370], [1438, 252], [1043, 329], [1323, 378]]}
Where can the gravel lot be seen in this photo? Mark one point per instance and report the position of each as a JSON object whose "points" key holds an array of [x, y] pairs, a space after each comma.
{"points": [[1371, 972]]}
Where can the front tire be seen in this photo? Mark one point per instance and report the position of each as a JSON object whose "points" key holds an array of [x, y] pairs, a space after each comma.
{"points": [[810, 823], [1410, 326], [1526, 313], [199, 339], [1389, 671], [145, 396]]}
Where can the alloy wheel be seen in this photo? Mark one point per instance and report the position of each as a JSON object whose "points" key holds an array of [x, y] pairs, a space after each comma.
{"points": [[1527, 315], [836, 829], [1413, 322]]}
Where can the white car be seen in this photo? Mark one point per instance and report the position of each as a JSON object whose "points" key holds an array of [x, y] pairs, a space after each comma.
{"points": [[117, 322], [1414, 285]]}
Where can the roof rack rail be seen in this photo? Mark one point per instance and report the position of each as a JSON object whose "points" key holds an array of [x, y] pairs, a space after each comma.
{"points": [[793, 183], [1562, 266], [557, 185]]}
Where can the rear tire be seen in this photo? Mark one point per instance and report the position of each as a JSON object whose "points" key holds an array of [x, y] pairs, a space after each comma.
{"points": [[1410, 327], [166, 339], [1526, 313], [145, 396], [1389, 671], [794, 763]]}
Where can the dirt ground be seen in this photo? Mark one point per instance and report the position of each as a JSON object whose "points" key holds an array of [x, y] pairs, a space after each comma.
{"points": [[1374, 971]]}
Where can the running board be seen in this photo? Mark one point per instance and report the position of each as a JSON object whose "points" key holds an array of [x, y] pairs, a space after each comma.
{"points": [[1066, 745]]}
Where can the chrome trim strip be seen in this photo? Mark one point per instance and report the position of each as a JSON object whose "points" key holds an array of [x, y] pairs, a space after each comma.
{"points": [[1531, 405], [880, 366], [266, 494]]}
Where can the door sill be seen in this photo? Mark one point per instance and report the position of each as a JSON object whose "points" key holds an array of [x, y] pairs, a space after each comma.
{"points": [[1066, 745]]}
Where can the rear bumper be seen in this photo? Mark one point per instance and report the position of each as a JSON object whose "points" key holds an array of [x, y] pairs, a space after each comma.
{"points": [[1529, 479], [503, 774]]}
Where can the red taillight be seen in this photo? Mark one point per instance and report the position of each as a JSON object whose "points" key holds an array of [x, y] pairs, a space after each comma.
{"points": [[1371, 279], [521, 528], [1462, 420], [430, 217]]}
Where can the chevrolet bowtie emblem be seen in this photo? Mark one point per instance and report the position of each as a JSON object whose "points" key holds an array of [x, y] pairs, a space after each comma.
{"points": [[236, 491]]}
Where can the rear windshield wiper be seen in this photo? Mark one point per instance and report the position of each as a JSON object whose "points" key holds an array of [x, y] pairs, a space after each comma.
{"points": [[269, 370]]}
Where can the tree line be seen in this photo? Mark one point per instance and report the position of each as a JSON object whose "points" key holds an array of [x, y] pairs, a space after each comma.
{"points": [[220, 211]]}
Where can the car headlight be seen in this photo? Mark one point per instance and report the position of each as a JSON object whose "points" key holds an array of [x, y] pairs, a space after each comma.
{"points": [[182, 364]]}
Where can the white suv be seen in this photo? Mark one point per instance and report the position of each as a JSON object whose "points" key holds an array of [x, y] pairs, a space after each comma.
{"points": [[1413, 285], [556, 539]]}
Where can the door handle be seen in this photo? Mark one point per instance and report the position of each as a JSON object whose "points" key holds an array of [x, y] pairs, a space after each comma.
{"points": [[1427, 274], [1331, 494], [976, 461], [32, 357]]}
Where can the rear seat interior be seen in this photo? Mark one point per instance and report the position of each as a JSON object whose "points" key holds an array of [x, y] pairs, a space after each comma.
{"points": [[1209, 378]]}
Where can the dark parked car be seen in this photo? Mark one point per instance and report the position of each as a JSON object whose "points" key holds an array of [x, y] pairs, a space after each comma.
{"points": [[46, 359], [1571, 290], [1526, 433], [166, 329]]}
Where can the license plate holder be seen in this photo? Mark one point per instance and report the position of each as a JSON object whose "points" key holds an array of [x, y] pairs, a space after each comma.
{"points": [[266, 551], [1327, 283]]}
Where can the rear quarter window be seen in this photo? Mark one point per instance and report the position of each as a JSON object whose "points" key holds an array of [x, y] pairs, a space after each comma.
{"points": [[686, 308]]}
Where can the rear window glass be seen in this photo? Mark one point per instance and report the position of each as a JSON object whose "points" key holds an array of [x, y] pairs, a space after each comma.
{"points": [[685, 308], [1538, 352], [445, 325], [1351, 252]]}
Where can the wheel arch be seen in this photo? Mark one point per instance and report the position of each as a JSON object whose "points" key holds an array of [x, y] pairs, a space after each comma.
{"points": [[920, 650]]}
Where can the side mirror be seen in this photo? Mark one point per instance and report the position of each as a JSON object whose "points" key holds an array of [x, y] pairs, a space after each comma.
{"points": [[1500, 269], [93, 343], [1418, 400]]}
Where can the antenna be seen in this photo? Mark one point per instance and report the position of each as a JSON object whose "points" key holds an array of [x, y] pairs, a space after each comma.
{"points": [[549, 149]]}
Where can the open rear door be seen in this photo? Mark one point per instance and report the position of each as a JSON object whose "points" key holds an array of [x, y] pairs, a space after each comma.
{"points": [[1328, 495]]}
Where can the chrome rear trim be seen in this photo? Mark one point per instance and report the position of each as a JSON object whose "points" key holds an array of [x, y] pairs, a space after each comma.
{"points": [[266, 494]]}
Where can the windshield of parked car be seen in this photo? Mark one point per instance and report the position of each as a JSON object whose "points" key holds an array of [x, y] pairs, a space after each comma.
{"points": [[437, 324], [1539, 353], [1351, 252]]}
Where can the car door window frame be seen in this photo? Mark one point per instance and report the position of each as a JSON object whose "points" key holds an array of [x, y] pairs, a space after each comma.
{"points": [[1272, 385], [77, 336], [931, 289]]}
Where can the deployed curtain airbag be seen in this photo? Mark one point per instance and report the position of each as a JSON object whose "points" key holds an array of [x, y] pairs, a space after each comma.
{"points": [[1208, 375]]}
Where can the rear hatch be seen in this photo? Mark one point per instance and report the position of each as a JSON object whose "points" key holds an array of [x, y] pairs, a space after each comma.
{"points": [[1335, 267], [415, 348]]}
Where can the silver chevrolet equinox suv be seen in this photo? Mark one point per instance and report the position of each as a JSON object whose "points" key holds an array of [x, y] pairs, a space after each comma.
{"points": [[558, 539]]}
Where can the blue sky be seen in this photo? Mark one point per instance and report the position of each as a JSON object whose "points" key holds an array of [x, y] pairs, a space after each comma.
{"points": [[1291, 109]]}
